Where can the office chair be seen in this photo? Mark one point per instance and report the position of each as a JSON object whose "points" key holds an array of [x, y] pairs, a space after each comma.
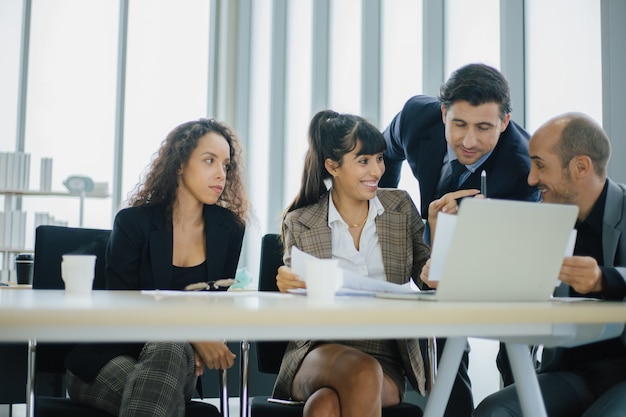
{"points": [[12, 374], [270, 354], [51, 242]]}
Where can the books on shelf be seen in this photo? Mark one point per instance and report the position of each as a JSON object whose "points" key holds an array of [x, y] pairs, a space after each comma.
{"points": [[14, 170], [45, 219], [13, 229]]}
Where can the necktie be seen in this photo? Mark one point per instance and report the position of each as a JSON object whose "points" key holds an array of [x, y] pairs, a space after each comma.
{"points": [[452, 181]]}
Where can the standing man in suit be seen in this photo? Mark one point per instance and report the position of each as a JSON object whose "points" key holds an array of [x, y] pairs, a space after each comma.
{"points": [[448, 141], [470, 122], [569, 156]]}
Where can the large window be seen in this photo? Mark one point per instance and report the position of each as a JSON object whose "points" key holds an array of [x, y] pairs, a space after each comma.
{"points": [[10, 18], [563, 59], [72, 81], [167, 76], [401, 46], [402, 68], [345, 56], [299, 79], [70, 103], [472, 33]]}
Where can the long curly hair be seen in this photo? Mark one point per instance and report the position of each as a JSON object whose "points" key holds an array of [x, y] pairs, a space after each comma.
{"points": [[161, 181]]}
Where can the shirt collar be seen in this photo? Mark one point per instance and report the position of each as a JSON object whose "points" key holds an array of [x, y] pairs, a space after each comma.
{"points": [[472, 168], [375, 209]]}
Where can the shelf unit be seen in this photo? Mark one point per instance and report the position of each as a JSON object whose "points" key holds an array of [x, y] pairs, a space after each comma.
{"points": [[9, 206]]}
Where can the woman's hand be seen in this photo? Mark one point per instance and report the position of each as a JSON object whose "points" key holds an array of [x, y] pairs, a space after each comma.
{"points": [[286, 279], [213, 355]]}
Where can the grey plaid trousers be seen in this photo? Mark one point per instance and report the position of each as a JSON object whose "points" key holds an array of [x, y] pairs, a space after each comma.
{"points": [[159, 383]]}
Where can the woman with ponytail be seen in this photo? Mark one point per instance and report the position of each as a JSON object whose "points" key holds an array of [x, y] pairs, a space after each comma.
{"points": [[341, 213]]}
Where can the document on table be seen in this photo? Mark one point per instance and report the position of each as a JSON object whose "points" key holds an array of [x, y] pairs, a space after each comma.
{"points": [[569, 251], [179, 293], [353, 283], [445, 229]]}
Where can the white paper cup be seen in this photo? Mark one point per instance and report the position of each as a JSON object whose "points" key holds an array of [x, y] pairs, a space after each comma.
{"points": [[323, 279], [78, 272]]}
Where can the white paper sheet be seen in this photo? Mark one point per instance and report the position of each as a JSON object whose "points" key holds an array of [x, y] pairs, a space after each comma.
{"points": [[353, 283], [569, 249], [443, 237]]}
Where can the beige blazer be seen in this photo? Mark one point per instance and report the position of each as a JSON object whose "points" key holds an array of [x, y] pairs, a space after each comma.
{"points": [[400, 229]]}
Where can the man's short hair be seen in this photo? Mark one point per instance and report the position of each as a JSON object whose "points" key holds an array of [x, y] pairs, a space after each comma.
{"points": [[477, 84], [584, 136]]}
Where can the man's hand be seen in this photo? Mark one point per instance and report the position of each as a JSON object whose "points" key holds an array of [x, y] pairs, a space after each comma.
{"points": [[213, 355], [446, 204], [286, 279], [582, 273], [424, 275]]}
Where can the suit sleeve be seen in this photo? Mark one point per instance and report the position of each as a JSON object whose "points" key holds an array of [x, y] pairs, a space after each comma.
{"points": [[289, 238], [123, 253], [615, 283], [421, 251], [419, 120], [394, 155], [234, 252]]}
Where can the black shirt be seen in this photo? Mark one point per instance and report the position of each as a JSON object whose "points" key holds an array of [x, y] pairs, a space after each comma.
{"points": [[589, 243], [185, 275]]}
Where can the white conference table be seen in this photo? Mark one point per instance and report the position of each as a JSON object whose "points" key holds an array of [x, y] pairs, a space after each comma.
{"points": [[116, 316]]}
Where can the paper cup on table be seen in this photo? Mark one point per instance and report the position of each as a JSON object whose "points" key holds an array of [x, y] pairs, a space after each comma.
{"points": [[323, 279], [78, 272]]}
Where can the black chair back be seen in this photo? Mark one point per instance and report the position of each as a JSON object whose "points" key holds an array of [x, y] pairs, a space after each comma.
{"points": [[52, 242], [270, 354], [271, 260]]}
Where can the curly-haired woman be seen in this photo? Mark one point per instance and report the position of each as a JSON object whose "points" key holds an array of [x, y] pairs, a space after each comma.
{"points": [[185, 225]]}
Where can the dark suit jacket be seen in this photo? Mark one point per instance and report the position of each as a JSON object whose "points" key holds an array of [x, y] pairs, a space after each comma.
{"points": [[417, 135], [399, 231], [614, 256], [139, 257], [139, 253]]}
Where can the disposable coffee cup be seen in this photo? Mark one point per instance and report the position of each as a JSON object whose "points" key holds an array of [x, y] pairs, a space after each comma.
{"points": [[24, 263], [78, 272], [323, 279]]}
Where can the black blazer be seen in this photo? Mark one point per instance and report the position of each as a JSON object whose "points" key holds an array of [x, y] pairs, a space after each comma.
{"points": [[139, 252], [417, 134], [139, 257]]}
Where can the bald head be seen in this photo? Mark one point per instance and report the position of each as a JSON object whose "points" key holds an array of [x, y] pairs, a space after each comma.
{"points": [[573, 134]]}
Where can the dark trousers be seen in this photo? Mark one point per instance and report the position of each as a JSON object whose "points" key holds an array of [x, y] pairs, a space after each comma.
{"points": [[593, 389]]}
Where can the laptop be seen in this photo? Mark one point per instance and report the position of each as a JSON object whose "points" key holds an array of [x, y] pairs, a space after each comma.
{"points": [[500, 250]]}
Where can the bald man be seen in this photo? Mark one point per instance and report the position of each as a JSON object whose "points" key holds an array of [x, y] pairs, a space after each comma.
{"points": [[569, 155]]}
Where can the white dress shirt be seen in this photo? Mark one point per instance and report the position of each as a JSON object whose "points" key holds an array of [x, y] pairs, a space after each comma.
{"points": [[368, 260]]}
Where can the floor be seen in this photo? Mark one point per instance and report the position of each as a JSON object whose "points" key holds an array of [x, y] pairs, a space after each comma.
{"points": [[19, 410]]}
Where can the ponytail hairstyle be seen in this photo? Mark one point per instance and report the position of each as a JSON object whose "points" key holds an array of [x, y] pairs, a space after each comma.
{"points": [[333, 135]]}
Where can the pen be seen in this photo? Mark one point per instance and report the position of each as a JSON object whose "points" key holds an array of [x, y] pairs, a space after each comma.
{"points": [[483, 183]]}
